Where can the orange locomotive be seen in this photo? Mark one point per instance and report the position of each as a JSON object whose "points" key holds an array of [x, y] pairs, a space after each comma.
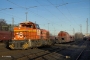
{"points": [[28, 34]]}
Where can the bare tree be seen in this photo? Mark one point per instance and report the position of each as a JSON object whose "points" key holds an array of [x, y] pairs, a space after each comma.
{"points": [[3, 25]]}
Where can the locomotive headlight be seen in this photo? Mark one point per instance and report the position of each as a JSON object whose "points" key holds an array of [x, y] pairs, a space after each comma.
{"points": [[11, 46], [25, 46]]}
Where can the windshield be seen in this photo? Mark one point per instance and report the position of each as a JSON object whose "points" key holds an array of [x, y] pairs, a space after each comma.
{"points": [[37, 26]]}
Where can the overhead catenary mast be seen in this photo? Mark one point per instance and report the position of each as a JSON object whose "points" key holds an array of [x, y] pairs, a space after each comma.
{"points": [[80, 28], [12, 23], [73, 31], [48, 26], [27, 12], [87, 27], [26, 15]]}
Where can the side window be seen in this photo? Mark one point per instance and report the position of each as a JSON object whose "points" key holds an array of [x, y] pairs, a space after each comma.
{"points": [[38, 32], [37, 26], [32, 26]]}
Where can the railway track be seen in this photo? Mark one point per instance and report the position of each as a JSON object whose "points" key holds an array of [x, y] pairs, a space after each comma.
{"points": [[47, 53], [78, 57], [78, 52], [83, 55]]}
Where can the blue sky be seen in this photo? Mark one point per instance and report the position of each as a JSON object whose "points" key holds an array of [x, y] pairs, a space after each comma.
{"points": [[60, 14]]}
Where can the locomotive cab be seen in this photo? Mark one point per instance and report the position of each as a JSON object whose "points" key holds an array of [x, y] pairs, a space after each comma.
{"points": [[29, 25]]}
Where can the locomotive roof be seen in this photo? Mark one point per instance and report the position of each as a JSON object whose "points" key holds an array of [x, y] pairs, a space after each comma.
{"points": [[27, 23]]}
